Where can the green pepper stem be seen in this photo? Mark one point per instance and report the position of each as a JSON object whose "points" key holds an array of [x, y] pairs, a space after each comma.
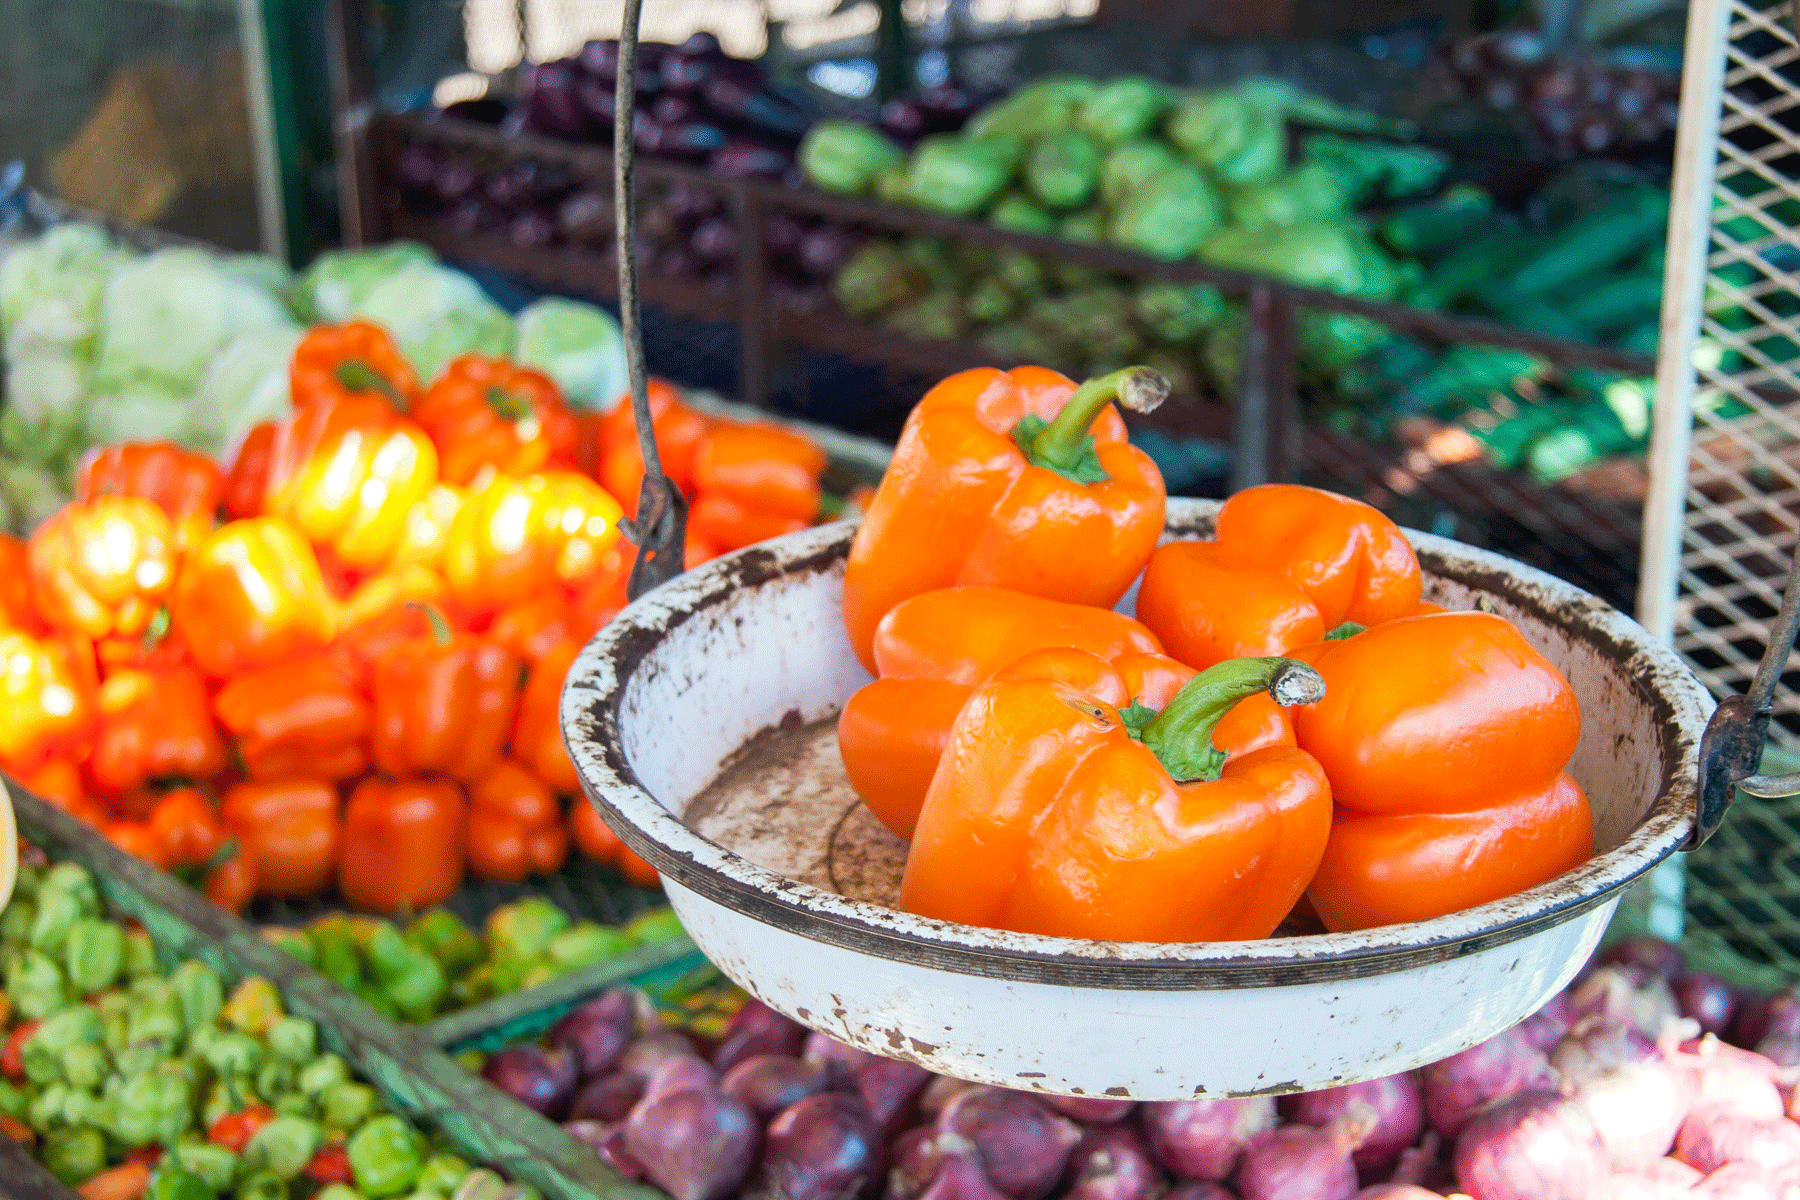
{"points": [[509, 405], [440, 627], [1058, 445], [1181, 734], [358, 376]]}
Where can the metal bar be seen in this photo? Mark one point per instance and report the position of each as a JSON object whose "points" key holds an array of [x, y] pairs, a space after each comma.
{"points": [[893, 65], [1253, 414], [271, 217], [352, 109], [753, 302]]}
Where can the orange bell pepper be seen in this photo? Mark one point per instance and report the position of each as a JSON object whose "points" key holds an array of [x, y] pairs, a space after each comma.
{"points": [[103, 567], [347, 473], [187, 825], [1057, 813], [186, 486], [17, 609], [603, 595], [731, 525], [444, 703], [389, 591], [292, 830], [678, 430], [532, 628], [232, 884], [427, 528], [1288, 566], [247, 480], [537, 734], [403, 844], [490, 413], [602, 845], [251, 594], [58, 781], [355, 360], [517, 537], [136, 838], [1013, 479], [761, 467], [931, 653], [154, 725], [300, 719], [1446, 739], [48, 706]]}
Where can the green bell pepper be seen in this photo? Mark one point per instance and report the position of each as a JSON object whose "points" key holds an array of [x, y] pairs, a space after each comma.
{"points": [[44, 1112], [1124, 108], [74, 1155], [140, 954], [1239, 137], [157, 1017], [72, 880], [34, 984], [587, 944], [275, 1078], [1020, 214], [376, 997], [387, 1156], [338, 1191], [295, 1039], [443, 1174], [937, 317], [86, 1065], [1042, 106], [321, 1073], [1063, 169], [94, 955], [154, 1107], [959, 176], [173, 1183], [989, 301], [200, 991], [285, 1145], [443, 936], [216, 1165], [253, 1007], [57, 912], [876, 279], [1167, 217], [296, 1104], [42, 1052], [261, 1185], [1129, 164], [346, 1105], [16, 922], [232, 1054], [296, 943], [13, 1101], [844, 157], [1177, 312]]}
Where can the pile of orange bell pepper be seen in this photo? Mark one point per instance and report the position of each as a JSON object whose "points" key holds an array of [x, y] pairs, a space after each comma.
{"points": [[335, 661], [1287, 727]]}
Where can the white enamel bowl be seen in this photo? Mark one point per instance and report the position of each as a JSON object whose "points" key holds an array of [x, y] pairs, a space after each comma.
{"points": [[680, 680]]}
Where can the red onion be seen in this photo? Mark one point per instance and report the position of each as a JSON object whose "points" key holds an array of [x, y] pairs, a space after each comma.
{"points": [[1457, 1086], [541, 1080], [614, 1153], [1299, 1162], [1707, 999], [607, 1097], [1534, 1145], [1543, 1031], [769, 1083], [1782, 1049], [1111, 1162], [1092, 1110], [1654, 954], [1635, 1098], [939, 1092], [1712, 1137], [886, 1085], [1203, 1139], [1413, 1164], [1197, 1191], [756, 1029], [1023, 1146], [1396, 1101], [643, 1056], [1664, 1179], [695, 1144], [917, 1155], [824, 1147], [1627, 994], [1396, 1191], [1738, 1181], [679, 1071], [1740, 1081], [961, 1178], [1779, 1013]]}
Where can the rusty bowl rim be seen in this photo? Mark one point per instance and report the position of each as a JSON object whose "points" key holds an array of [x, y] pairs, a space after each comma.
{"points": [[596, 688]]}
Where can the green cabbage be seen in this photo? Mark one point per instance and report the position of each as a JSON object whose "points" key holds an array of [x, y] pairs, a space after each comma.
{"points": [[577, 345], [167, 314], [30, 494], [335, 286], [246, 383], [41, 421], [51, 288], [1308, 192], [141, 410], [434, 314]]}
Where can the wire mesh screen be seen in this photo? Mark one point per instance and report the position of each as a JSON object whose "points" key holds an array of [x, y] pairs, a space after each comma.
{"points": [[1743, 487], [135, 108]]}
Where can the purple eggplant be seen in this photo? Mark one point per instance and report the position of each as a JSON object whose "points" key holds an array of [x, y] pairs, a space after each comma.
{"points": [[673, 108], [824, 251], [742, 158], [531, 229], [714, 240], [732, 96], [550, 97], [599, 102], [903, 120], [585, 217]]}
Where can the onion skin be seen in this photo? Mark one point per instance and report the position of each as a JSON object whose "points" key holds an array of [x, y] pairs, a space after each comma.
{"points": [[1022, 1146], [1725, 1076], [887, 1086], [823, 1147], [608, 1097], [597, 1033], [1111, 1162], [1197, 1191], [1090, 1110], [1708, 1000], [1204, 1139], [1534, 1145], [694, 1144], [1737, 1181], [1664, 958], [1396, 1191], [1715, 1136], [769, 1083], [1397, 1101], [1636, 1099], [915, 1158], [939, 1092], [961, 1178], [756, 1029], [542, 1080], [677, 1072], [1665, 1179], [1299, 1162], [1456, 1087]]}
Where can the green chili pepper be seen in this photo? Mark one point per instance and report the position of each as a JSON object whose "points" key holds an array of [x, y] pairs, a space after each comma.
{"points": [[321, 1073], [233, 1054], [441, 934], [295, 1039], [386, 1156], [657, 925], [43, 1051], [275, 1079], [72, 880], [140, 1058], [156, 1107], [587, 944], [216, 1165], [347, 1105], [85, 1065], [522, 930], [173, 1183], [16, 921], [295, 942], [297, 1104], [262, 1185], [13, 1101], [93, 955], [45, 1111], [201, 991], [285, 1145], [254, 1006], [74, 1155], [442, 1174], [35, 985], [157, 1016], [140, 954]]}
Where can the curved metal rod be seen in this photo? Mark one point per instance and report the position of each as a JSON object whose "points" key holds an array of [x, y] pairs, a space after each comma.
{"points": [[660, 530]]}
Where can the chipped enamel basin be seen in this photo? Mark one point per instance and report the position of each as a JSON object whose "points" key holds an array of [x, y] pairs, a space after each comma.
{"points": [[670, 693]]}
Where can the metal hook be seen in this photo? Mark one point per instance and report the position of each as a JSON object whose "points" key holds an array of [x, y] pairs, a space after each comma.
{"points": [[1731, 748], [660, 530]]}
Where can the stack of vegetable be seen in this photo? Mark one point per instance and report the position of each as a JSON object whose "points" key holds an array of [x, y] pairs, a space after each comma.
{"points": [[1583, 1100], [128, 1081], [437, 964], [102, 344], [352, 683]]}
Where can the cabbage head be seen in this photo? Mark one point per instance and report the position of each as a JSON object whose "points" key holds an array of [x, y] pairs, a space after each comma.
{"points": [[141, 410], [167, 314], [337, 283], [434, 314], [51, 288], [576, 344], [247, 383], [41, 420]]}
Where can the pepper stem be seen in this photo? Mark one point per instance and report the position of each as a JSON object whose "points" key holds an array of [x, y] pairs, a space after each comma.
{"points": [[1059, 444], [440, 627], [1181, 734], [358, 376], [510, 406]]}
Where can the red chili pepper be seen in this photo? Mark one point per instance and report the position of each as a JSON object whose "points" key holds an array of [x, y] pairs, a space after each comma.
{"points": [[331, 1164], [234, 1130], [147, 1156], [12, 1058]]}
